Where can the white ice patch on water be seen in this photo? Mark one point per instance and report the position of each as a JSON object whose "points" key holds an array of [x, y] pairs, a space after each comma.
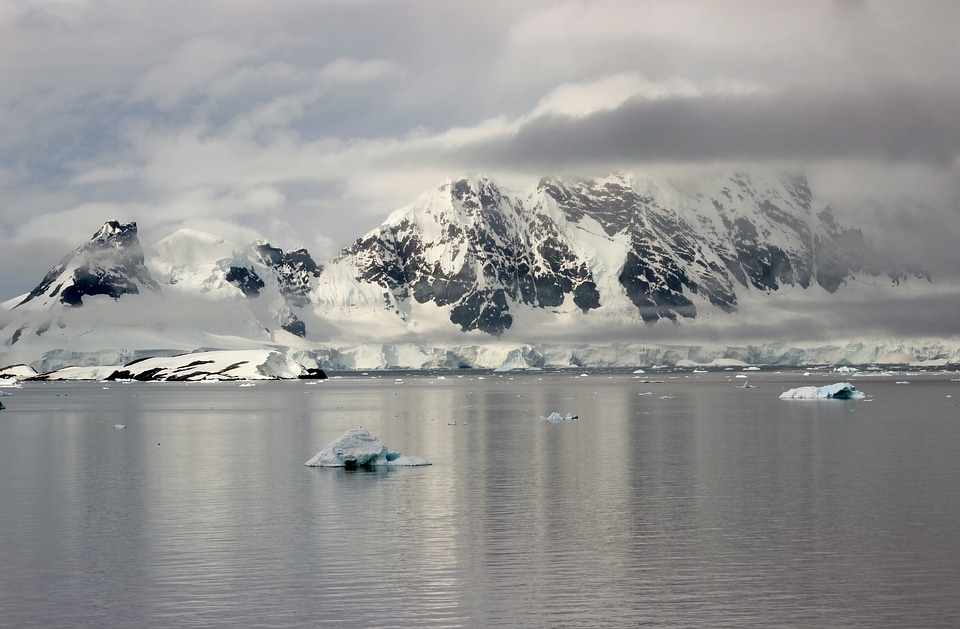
{"points": [[837, 391], [556, 417], [358, 448]]}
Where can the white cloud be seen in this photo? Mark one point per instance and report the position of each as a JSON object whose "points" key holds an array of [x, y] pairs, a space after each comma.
{"points": [[190, 68], [610, 92], [348, 70]]}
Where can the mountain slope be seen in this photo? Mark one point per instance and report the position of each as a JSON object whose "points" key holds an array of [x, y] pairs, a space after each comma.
{"points": [[110, 263], [471, 265], [483, 254], [103, 303]]}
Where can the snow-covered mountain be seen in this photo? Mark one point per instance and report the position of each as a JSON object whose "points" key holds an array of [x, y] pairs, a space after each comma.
{"points": [[468, 274], [110, 263], [103, 305], [594, 253]]}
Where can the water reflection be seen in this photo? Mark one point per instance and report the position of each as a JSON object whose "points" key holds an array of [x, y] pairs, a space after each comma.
{"points": [[699, 504]]}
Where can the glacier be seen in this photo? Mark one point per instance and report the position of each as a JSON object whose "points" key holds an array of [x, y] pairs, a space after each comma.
{"points": [[369, 357], [242, 365]]}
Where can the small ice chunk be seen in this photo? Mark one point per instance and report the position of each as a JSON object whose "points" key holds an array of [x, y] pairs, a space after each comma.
{"points": [[358, 448], [557, 417], [837, 391], [119, 426]]}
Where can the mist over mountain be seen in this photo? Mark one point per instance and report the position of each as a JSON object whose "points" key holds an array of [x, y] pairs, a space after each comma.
{"points": [[585, 245], [472, 274]]}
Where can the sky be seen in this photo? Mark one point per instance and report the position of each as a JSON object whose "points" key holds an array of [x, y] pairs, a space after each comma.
{"points": [[307, 122]]}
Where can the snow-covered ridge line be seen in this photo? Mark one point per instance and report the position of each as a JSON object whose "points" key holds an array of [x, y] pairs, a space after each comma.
{"points": [[615, 356], [473, 275], [298, 363], [199, 366]]}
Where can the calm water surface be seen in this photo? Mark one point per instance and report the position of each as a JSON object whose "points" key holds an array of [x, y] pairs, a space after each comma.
{"points": [[697, 505]]}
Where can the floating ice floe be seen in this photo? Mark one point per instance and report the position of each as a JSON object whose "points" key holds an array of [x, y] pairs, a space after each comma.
{"points": [[12, 383], [557, 417], [837, 391], [119, 426], [358, 448]]}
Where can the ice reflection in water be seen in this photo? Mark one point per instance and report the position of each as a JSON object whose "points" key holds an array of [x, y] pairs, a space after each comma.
{"points": [[716, 506]]}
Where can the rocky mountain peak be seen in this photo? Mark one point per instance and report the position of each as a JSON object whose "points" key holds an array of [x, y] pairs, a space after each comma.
{"points": [[483, 251], [110, 263], [116, 234]]}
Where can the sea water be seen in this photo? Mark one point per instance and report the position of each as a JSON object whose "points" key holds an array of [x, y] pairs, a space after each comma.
{"points": [[674, 500]]}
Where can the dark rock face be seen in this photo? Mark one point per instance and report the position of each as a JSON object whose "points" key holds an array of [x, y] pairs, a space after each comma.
{"points": [[485, 252], [293, 325], [111, 263], [664, 258], [497, 254], [293, 270], [246, 279]]}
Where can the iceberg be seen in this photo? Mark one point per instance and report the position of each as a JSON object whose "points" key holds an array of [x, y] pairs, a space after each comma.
{"points": [[557, 417], [358, 448], [837, 391]]}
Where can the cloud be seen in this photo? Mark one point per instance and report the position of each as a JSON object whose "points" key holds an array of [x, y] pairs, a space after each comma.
{"points": [[347, 70], [894, 123], [188, 70], [312, 121]]}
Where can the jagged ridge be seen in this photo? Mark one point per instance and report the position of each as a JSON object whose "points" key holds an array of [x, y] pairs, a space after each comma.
{"points": [[482, 251], [603, 254], [110, 263]]}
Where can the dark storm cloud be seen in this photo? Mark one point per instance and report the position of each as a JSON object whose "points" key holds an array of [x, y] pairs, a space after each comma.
{"points": [[892, 123]]}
